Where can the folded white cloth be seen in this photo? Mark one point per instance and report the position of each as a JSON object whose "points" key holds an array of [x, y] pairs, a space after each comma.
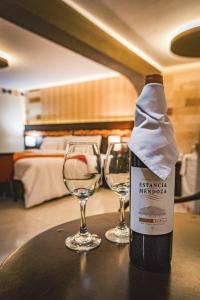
{"points": [[152, 139]]}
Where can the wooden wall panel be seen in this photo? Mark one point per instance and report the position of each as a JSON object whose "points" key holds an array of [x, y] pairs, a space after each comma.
{"points": [[114, 99], [183, 95], [105, 99]]}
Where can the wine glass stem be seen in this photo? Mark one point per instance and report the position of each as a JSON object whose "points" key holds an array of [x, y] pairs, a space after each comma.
{"points": [[83, 227], [121, 212]]}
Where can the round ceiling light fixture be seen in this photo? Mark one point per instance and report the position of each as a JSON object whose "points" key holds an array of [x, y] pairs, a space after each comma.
{"points": [[3, 62], [186, 40]]}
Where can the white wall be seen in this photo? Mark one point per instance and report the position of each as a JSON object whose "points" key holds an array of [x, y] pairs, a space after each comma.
{"points": [[12, 112]]}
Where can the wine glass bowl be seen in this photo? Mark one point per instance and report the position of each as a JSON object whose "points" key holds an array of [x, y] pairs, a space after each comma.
{"points": [[81, 175], [117, 175]]}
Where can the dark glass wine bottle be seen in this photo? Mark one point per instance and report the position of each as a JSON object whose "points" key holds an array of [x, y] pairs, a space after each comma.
{"points": [[151, 213]]}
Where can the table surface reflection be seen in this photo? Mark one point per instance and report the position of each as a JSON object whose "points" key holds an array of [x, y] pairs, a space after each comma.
{"points": [[45, 269]]}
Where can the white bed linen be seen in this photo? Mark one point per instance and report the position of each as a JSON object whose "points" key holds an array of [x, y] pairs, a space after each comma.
{"points": [[41, 177]]}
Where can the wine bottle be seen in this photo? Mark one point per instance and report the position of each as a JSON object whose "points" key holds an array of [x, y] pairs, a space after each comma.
{"points": [[151, 213]]}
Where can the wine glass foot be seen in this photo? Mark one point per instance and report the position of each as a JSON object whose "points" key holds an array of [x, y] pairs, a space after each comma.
{"points": [[118, 235], [83, 242]]}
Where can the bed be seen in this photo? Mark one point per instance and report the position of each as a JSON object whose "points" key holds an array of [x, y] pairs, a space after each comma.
{"points": [[40, 170], [41, 177]]}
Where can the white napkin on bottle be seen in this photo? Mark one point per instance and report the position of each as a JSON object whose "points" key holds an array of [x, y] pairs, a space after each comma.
{"points": [[152, 139]]}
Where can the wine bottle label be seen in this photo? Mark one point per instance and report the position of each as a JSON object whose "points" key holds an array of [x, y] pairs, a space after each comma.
{"points": [[152, 202]]}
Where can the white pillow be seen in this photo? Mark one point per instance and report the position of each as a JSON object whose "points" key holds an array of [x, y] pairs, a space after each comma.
{"points": [[53, 143], [84, 139]]}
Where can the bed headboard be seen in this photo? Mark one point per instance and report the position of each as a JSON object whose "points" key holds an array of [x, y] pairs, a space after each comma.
{"points": [[105, 129]]}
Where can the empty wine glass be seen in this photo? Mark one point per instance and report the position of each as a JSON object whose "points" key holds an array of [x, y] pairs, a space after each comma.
{"points": [[81, 175], [116, 170]]}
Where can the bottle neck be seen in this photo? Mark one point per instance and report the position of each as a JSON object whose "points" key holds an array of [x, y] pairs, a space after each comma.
{"points": [[154, 78], [136, 162]]}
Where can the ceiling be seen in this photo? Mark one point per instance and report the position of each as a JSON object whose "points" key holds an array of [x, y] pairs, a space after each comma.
{"points": [[36, 62], [146, 24]]}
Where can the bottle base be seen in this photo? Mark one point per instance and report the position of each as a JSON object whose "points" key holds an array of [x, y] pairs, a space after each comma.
{"points": [[151, 252], [163, 269]]}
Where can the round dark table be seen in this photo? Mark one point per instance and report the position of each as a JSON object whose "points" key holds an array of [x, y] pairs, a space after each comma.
{"points": [[45, 269]]}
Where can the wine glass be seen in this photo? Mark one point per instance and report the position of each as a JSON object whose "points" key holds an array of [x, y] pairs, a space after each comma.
{"points": [[117, 175], [81, 175]]}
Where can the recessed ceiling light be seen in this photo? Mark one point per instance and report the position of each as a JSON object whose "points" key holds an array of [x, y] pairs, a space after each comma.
{"points": [[5, 59], [185, 41], [3, 62]]}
